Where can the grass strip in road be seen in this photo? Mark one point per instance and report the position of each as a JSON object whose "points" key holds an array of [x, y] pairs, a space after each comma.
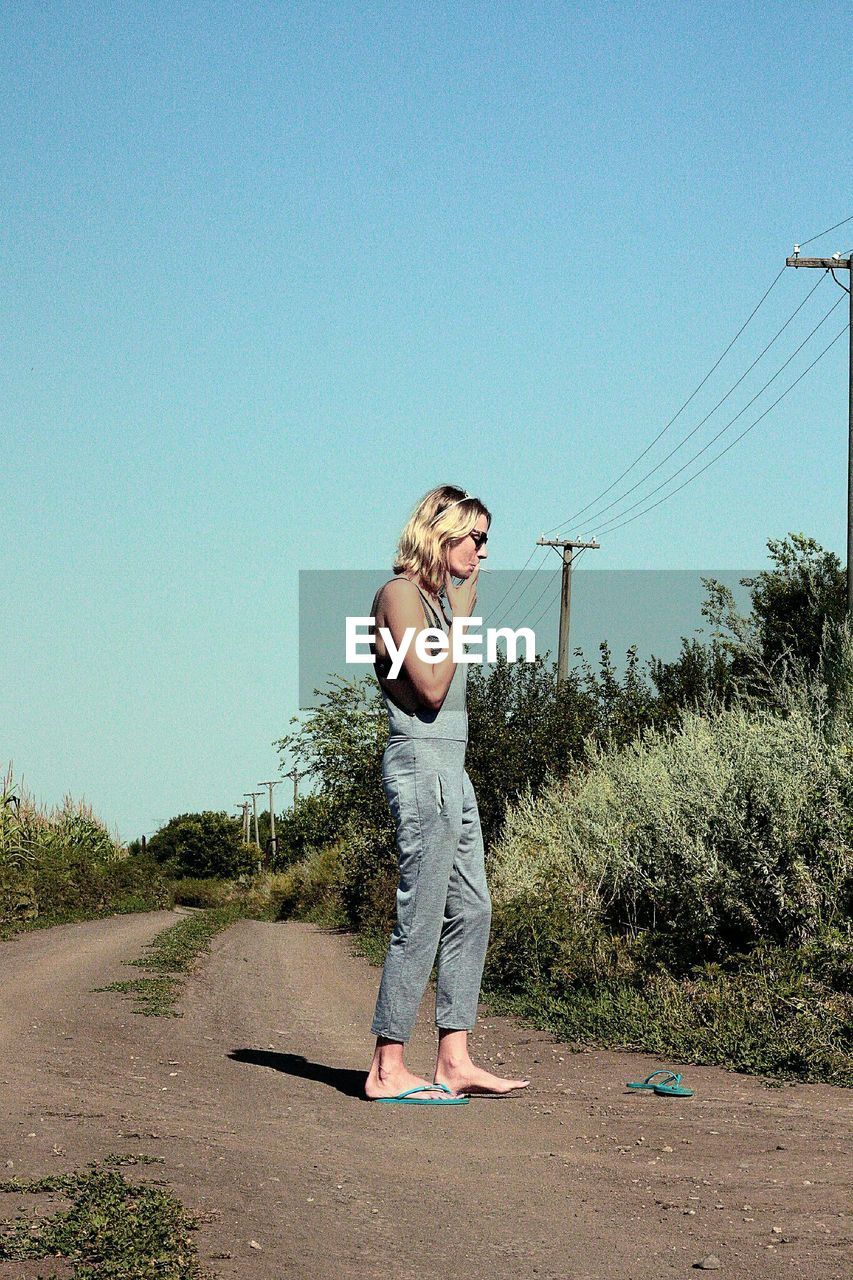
{"points": [[173, 951], [111, 1230]]}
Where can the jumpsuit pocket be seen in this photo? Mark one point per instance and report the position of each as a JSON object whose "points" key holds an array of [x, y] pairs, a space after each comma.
{"points": [[390, 787], [439, 793]]}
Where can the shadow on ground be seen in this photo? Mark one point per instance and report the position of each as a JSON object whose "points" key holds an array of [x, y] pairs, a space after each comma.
{"points": [[344, 1079]]}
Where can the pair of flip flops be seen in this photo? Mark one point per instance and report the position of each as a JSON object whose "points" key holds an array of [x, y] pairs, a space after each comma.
{"points": [[669, 1087], [407, 1098]]}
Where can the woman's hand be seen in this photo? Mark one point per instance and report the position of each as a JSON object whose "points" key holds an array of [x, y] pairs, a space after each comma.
{"points": [[462, 599]]}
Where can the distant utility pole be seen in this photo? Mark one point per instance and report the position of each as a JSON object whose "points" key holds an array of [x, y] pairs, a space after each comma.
{"points": [[244, 807], [833, 264], [569, 546], [295, 775], [254, 795], [273, 842]]}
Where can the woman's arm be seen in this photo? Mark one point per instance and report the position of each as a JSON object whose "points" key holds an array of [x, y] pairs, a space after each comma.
{"points": [[403, 609]]}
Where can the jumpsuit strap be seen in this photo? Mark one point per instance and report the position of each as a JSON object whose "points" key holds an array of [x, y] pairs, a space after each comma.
{"points": [[429, 605]]}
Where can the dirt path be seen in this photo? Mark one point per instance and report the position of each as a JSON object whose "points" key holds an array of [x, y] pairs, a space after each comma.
{"points": [[252, 1098]]}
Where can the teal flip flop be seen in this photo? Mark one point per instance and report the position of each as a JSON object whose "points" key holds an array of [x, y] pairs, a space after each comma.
{"points": [[648, 1083], [674, 1090], [407, 1099]]}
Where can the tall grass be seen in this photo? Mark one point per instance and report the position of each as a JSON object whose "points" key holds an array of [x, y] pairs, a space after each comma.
{"points": [[62, 862], [733, 828]]}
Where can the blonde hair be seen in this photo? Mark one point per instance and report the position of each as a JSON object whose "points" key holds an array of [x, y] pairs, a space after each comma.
{"points": [[442, 516]]}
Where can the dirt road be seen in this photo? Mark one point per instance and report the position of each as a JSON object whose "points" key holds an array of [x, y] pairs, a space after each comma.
{"points": [[253, 1099]]}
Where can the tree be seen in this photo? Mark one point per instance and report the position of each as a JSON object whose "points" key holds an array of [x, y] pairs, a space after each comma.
{"points": [[792, 606], [340, 743], [203, 844], [700, 677], [521, 728], [310, 824]]}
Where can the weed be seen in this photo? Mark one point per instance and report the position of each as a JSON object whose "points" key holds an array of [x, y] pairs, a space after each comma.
{"points": [[173, 951], [112, 1229]]}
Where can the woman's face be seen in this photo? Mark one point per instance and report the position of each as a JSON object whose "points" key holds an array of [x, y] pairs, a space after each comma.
{"points": [[464, 554]]}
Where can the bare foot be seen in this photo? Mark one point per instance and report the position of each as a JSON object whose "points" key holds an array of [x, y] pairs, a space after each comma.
{"points": [[390, 1084], [473, 1080]]}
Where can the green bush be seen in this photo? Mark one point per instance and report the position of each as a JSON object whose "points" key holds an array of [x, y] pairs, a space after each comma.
{"points": [[310, 889], [535, 942], [69, 883], [779, 1010], [312, 823], [368, 876], [194, 891], [202, 845], [731, 829]]}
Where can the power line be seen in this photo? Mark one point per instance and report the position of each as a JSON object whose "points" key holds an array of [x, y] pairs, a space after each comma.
{"points": [[511, 587], [731, 421], [737, 438], [548, 606], [676, 415], [527, 586], [842, 223], [720, 402], [535, 624], [672, 420], [535, 603]]}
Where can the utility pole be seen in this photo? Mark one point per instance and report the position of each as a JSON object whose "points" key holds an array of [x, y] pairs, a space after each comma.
{"points": [[569, 546], [295, 775], [254, 795], [244, 808], [833, 264], [273, 843]]}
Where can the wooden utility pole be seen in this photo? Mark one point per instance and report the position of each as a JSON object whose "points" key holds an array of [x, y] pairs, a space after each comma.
{"points": [[273, 842], [569, 546], [837, 263], [245, 809], [295, 775], [254, 795]]}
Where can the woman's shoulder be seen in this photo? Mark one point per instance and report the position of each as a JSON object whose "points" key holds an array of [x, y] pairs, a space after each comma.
{"points": [[406, 598], [408, 589]]}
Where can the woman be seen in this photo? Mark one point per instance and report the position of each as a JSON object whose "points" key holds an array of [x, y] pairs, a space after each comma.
{"points": [[443, 905]]}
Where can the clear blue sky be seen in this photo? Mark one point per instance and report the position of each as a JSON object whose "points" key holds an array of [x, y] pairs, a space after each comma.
{"points": [[270, 271]]}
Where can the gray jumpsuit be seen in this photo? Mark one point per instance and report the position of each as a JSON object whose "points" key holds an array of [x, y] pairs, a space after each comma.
{"points": [[443, 903]]}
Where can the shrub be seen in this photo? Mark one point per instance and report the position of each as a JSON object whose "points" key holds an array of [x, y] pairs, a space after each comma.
{"points": [[730, 829], [195, 891], [203, 845], [69, 883], [310, 889], [368, 877], [313, 822]]}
